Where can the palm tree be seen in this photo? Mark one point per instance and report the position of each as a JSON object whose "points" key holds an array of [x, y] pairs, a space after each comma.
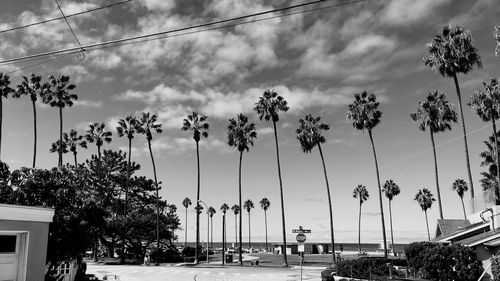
{"points": [[72, 141], [437, 114], [425, 198], [486, 104], [58, 146], [497, 39], [224, 209], [460, 186], [364, 115], [31, 87], [97, 133], [268, 108], [265, 204], [5, 90], [490, 178], [248, 205], [127, 127], [309, 136], [186, 203], [147, 125], [211, 212], [57, 93], [236, 209], [449, 54], [360, 192], [196, 122], [391, 189], [241, 135]]}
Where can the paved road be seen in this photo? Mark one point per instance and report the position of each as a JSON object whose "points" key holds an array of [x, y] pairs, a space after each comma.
{"points": [[203, 273]]}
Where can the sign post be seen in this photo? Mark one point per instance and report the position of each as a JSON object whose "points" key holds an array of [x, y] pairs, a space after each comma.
{"points": [[301, 238]]}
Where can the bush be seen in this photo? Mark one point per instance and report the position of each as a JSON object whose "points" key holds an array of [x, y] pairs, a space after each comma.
{"points": [[168, 256], [495, 268], [444, 263], [326, 275], [363, 268]]}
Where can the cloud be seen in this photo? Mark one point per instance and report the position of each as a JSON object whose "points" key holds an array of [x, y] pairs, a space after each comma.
{"points": [[88, 104], [407, 12], [161, 93], [179, 145], [265, 131], [78, 73]]}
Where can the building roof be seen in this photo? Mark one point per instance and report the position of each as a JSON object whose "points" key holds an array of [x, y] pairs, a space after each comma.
{"points": [[25, 213], [480, 238], [459, 234], [447, 226]]}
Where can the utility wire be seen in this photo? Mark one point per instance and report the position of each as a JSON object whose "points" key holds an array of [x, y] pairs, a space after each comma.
{"points": [[67, 16], [71, 29], [118, 41]]}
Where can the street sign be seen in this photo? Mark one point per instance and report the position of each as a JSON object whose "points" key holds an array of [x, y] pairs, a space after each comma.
{"points": [[301, 248], [301, 230], [301, 238]]}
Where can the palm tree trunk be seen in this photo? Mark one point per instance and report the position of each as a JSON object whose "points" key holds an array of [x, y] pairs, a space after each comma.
{"points": [[359, 226], [463, 207], [126, 197], [186, 229], [285, 261], [235, 229], [329, 202], [392, 233], [211, 232], [265, 222], [1, 118], [197, 204], [76, 163], [467, 162], [157, 262], [379, 194], [437, 176], [249, 240], [497, 159], [60, 136], [427, 224], [240, 255], [223, 238], [34, 133]]}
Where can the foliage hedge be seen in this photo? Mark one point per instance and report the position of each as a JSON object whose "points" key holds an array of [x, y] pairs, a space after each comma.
{"points": [[361, 268], [443, 262], [495, 268]]}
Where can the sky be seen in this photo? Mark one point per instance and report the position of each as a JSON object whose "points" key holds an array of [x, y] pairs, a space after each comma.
{"points": [[315, 60]]}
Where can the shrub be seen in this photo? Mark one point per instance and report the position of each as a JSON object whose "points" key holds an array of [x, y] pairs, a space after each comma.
{"points": [[326, 275], [415, 254], [495, 268], [169, 256], [363, 268]]}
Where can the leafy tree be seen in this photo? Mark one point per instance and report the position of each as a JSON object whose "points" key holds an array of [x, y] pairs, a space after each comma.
{"points": [[211, 212], [391, 189], [236, 210], [31, 87], [265, 204], [364, 115], [437, 114], [240, 135], [186, 203], [460, 187], [486, 104], [360, 192], [309, 134], [5, 90], [449, 54], [147, 125], [58, 146], [248, 205], [425, 198], [268, 107], [57, 93], [224, 209], [196, 123], [72, 141]]}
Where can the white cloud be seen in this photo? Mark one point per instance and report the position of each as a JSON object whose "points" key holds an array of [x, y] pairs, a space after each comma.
{"points": [[78, 73], [265, 131], [88, 104], [161, 93], [406, 12], [158, 5]]}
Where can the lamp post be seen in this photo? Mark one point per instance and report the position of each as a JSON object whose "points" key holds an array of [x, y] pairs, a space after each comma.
{"points": [[208, 225]]}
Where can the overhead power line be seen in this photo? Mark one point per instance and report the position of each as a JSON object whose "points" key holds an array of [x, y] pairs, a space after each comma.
{"points": [[70, 28], [60, 18], [149, 36]]}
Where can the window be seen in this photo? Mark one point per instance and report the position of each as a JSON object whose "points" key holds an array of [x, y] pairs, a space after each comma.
{"points": [[8, 244]]}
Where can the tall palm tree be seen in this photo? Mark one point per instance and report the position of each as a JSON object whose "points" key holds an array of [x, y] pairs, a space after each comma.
{"points": [[59, 146], [224, 209], [497, 39], [147, 125], [97, 133], [360, 192], [248, 205], [127, 127], [240, 135], [57, 93], [486, 104], [265, 204], [31, 87], [391, 189], [449, 54], [460, 187], [196, 123], [72, 141], [186, 203], [364, 115], [236, 210], [436, 114], [211, 212], [5, 90], [309, 134], [268, 108], [490, 178], [425, 198]]}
